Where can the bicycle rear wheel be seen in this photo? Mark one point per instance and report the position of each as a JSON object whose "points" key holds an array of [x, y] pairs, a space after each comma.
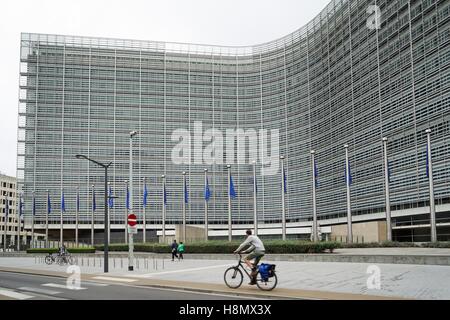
{"points": [[233, 277], [48, 260], [266, 284]]}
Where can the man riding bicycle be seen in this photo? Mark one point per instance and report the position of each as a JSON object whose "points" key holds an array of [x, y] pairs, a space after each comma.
{"points": [[256, 250]]}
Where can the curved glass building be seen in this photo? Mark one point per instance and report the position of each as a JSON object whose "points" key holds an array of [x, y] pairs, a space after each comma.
{"points": [[341, 79]]}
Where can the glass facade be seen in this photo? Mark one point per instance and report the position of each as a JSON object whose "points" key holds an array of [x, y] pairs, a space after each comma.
{"points": [[335, 81]]}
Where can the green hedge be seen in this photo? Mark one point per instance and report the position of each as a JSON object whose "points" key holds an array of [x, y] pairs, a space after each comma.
{"points": [[55, 250], [436, 245], [385, 244], [228, 247]]}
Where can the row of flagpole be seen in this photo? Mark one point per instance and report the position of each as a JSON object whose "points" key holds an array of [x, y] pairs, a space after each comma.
{"points": [[232, 195]]}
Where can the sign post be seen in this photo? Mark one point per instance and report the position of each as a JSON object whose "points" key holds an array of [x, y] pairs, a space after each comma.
{"points": [[132, 229]]}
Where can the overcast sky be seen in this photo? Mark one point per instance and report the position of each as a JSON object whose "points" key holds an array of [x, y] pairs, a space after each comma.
{"points": [[230, 22]]}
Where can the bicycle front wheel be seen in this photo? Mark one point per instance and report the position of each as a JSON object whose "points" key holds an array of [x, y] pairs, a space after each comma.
{"points": [[233, 277], [266, 284], [70, 260]]}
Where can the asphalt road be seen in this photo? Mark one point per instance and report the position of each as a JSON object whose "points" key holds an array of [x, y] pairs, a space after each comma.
{"points": [[35, 287]]}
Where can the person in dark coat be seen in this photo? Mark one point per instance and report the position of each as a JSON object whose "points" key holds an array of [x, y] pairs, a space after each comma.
{"points": [[174, 250]]}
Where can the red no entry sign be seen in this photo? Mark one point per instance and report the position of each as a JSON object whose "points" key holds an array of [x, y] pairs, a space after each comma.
{"points": [[132, 220]]}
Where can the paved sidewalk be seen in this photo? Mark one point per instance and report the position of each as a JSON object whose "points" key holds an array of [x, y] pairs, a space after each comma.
{"points": [[397, 281]]}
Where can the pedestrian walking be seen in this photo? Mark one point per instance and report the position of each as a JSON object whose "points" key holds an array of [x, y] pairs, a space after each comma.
{"points": [[174, 249], [180, 251]]}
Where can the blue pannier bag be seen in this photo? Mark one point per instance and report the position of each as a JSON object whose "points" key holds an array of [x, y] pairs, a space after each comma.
{"points": [[264, 270]]}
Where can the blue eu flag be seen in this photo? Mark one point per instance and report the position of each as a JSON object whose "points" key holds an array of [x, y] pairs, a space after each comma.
{"points": [[207, 190], [110, 198], [49, 204], [94, 204], [232, 191], [63, 203], [144, 200], [186, 195], [165, 194], [128, 199], [7, 207], [316, 174], [348, 177], [428, 163], [34, 205]]}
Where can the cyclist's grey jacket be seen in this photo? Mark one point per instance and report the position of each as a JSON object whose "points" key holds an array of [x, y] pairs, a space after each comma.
{"points": [[255, 243]]}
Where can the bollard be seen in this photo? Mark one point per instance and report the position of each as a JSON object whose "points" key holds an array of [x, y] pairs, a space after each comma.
{"points": [[88, 261], [100, 262], [163, 263], [82, 261], [114, 263]]}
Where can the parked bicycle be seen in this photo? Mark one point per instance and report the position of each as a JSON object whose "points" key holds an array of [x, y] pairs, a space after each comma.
{"points": [[266, 278], [59, 259]]}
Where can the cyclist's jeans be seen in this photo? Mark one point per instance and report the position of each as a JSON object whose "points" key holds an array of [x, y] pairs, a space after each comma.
{"points": [[257, 255]]}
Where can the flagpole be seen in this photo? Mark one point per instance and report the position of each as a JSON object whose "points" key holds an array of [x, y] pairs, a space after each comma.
{"points": [[283, 200], [109, 212], [184, 207], [164, 209], [144, 220], [349, 208], [313, 166], [18, 213], [6, 224], [76, 216], [46, 220], [431, 183], [126, 212], [387, 191], [230, 235], [255, 205], [206, 206], [92, 216], [32, 221], [61, 220]]}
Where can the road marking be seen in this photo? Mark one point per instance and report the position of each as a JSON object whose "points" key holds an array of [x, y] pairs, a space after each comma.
{"points": [[62, 286], [176, 271], [39, 290], [94, 284], [114, 279], [14, 295]]}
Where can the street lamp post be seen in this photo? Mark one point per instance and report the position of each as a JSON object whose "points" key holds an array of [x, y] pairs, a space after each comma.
{"points": [[106, 245]]}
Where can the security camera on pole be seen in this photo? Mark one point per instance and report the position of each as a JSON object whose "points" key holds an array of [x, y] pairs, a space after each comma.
{"points": [[132, 228]]}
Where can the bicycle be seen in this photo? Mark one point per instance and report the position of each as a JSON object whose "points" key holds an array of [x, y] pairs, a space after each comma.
{"points": [[234, 277], [59, 259]]}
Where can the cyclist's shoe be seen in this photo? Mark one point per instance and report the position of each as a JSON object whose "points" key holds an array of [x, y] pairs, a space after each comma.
{"points": [[252, 282]]}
